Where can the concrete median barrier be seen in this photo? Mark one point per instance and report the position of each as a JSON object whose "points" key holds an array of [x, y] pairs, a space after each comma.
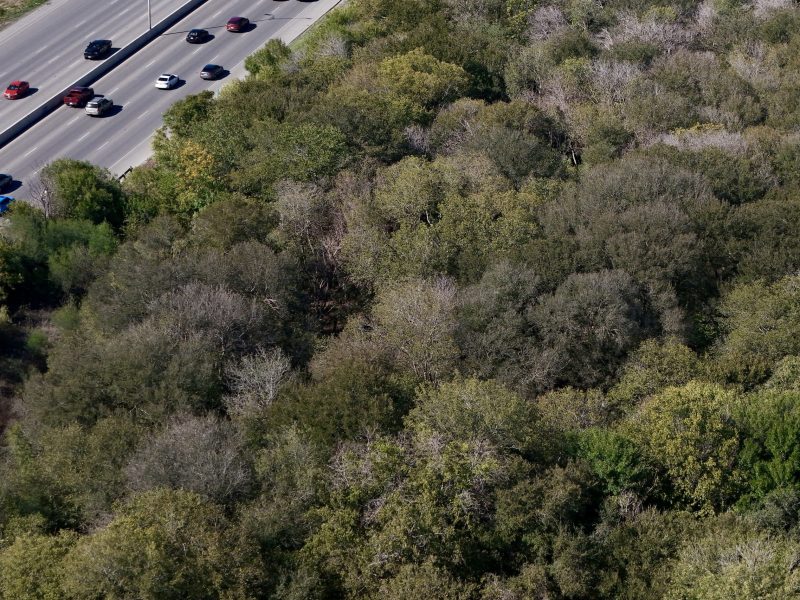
{"points": [[109, 64]]}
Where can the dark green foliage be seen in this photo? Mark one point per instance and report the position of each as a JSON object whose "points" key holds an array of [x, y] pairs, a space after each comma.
{"points": [[349, 403]]}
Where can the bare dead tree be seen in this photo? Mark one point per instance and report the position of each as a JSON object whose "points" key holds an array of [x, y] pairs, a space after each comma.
{"points": [[43, 193]]}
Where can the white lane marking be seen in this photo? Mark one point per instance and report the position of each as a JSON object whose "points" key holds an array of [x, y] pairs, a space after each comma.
{"points": [[31, 151], [101, 146], [110, 92], [143, 114], [54, 59], [84, 136], [151, 62]]}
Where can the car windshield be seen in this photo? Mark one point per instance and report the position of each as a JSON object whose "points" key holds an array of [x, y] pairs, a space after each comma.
{"points": [[13, 87]]}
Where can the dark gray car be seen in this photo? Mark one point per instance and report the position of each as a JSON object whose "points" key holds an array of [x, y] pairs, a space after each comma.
{"points": [[211, 72]]}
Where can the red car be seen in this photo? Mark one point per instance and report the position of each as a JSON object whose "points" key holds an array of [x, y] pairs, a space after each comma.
{"points": [[238, 24], [78, 96], [16, 89]]}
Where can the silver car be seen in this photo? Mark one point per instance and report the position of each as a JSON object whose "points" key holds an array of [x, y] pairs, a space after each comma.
{"points": [[99, 105], [167, 81]]}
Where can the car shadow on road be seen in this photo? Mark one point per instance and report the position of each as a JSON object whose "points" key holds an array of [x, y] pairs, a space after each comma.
{"points": [[179, 85], [12, 187], [31, 91], [112, 112]]}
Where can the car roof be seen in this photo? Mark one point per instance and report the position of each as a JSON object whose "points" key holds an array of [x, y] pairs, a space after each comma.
{"points": [[166, 75], [235, 19], [210, 66]]}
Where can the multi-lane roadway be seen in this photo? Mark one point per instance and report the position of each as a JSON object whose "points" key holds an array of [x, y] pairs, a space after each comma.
{"points": [[45, 47], [122, 139]]}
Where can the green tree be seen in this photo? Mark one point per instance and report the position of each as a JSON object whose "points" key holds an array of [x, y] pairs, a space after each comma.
{"points": [[421, 77], [83, 191], [759, 323], [689, 431], [734, 560], [265, 62], [32, 566], [161, 544], [770, 454]]}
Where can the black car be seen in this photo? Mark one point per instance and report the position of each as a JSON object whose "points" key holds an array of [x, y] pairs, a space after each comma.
{"points": [[5, 180], [197, 36], [97, 49], [211, 72]]}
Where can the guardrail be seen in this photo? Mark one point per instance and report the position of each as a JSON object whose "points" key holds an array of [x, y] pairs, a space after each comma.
{"points": [[113, 61]]}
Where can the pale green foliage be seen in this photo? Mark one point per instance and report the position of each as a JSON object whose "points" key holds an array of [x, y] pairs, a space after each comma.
{"points": [[476, 410], [414, 582], [414, 323], [735, 562], [656, 364], [689, 431], [423, 78], [31, 567], [761, 324], [160, 545]]}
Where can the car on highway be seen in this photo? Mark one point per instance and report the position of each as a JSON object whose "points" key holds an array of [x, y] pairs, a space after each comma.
{"points": [[16, 89], [5, 181], [237, 24], [99, 105], [167, 81], [97, 49], [78, 96], [211, 71], [5, 202], [197, 36]]}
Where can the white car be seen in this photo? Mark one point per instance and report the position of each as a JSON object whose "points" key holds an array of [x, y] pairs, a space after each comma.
{"points": [[167, 81]]}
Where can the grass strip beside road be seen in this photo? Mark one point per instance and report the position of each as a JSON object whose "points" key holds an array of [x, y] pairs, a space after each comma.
{"points": [[11, 10]]}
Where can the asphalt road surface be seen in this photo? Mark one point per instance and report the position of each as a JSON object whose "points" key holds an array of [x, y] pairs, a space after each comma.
{"points": [[122, 139], [45, 47]]}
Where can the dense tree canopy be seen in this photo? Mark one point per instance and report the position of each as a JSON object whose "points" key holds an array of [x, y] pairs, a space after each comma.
{"points": [[451, 299]]}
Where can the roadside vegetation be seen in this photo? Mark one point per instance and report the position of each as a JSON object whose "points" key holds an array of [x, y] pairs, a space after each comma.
{"points": [[458, 299], [11, 10]]}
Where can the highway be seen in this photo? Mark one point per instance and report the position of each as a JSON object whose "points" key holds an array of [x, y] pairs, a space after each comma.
{"points": [[122, 139], [45, 47]]}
